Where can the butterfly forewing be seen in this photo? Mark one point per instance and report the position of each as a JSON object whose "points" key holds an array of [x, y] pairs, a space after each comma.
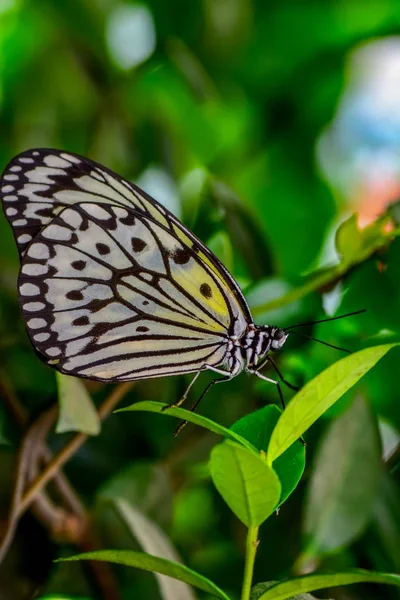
{"points": [[112, 286]]}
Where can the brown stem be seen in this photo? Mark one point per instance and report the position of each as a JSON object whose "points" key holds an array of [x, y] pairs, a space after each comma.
{"points": [[26, 451], [75, 525], [64, 523], [18, 411], [73, 445], [21, 417]]}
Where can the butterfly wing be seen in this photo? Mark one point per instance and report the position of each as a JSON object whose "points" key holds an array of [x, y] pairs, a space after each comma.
{"points": [[38, 183], [112, 286]]}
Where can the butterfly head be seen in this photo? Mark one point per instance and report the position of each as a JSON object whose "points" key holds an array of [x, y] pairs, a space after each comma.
{"points": [[274, 338], [261, 339], [270, 338]]}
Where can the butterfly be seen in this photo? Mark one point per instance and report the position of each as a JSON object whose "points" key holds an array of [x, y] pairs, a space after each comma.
{"points": [[113, 287]]}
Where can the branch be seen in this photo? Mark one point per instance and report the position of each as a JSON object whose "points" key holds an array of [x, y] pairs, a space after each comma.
{"points": [[73, 525]]}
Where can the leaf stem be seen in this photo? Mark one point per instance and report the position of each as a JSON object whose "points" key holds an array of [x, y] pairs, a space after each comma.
{"points": [[374, 237], [251, 550]]}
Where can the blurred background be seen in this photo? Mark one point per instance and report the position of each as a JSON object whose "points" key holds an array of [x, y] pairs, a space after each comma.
{"points": [[264, 126]]}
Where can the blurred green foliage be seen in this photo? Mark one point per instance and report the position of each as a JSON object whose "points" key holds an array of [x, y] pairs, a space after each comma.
{"points": [[228, 105]]}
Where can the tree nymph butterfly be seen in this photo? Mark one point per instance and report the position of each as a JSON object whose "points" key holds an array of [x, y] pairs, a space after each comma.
{"points": [[113, 287]]}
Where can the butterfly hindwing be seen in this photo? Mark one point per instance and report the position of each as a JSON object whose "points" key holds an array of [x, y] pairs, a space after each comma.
{"points": [[102, 294]]}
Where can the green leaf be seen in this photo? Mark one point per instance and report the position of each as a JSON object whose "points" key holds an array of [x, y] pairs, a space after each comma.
{"points": [[348, 238], [258, 590], [147, 562], [372, 238], [220, 244], [394, 212], [247, 484], [309, 583], [257, 428], [187, 415], [319, 394], [62, 597], [355, 245], [77, 412], [344, 482]]}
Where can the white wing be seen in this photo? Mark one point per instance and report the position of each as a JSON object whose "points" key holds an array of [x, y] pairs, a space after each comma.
{"points": [[98, 297], [112, 285]]}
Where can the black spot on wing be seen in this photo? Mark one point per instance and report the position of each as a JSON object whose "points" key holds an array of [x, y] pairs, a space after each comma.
{"points": [[128, 220], [81, 321], [138, 244], [74, 295], [181, 256], [102, 249], [84, 226], [205, 290], [79, 265], [45, 212]]}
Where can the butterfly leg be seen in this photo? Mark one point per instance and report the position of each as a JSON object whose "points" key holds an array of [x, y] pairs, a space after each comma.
{"points": [[277, 371], [226, 377], [195, 405], [264, 378], [185, 395]]}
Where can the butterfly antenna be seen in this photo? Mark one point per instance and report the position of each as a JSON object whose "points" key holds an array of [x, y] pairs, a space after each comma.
{"points": [[309, 337], [357, 312]]}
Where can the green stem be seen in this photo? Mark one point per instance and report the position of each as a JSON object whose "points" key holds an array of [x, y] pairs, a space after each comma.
{"points": [[251, 550], [331, 274], [315, 283]]}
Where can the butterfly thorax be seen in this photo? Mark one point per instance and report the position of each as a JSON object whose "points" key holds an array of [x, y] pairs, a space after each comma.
{"points": [[245, 352]]}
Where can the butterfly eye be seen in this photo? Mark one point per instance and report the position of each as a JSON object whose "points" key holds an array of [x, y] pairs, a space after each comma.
{"points": [[279, 335], [278, 338]]}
